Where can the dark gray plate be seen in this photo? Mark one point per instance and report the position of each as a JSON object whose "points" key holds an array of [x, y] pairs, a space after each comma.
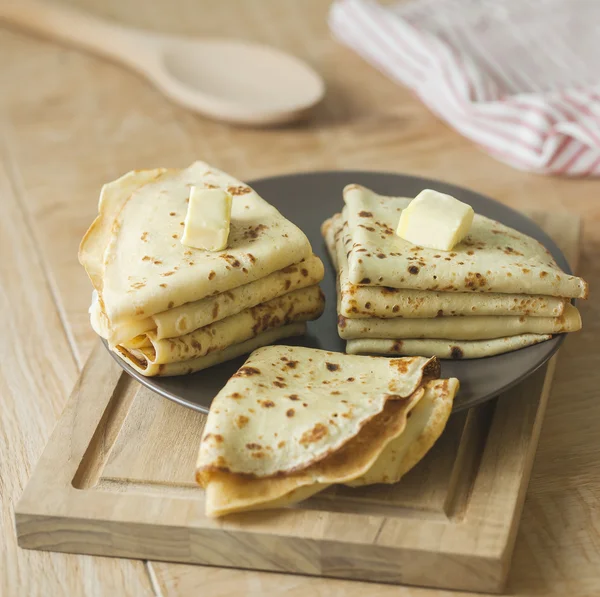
{"points": [[307, 200]]}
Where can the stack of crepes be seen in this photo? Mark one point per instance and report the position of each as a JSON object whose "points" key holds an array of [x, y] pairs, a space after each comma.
{"points": [[168, 309], [293, 421], [498, 290]]}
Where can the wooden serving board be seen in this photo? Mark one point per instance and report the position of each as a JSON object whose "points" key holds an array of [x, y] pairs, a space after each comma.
{"points": [[117, 479]]}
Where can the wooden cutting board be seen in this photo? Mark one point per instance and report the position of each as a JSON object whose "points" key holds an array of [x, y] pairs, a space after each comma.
{"points": [[117, 479]]}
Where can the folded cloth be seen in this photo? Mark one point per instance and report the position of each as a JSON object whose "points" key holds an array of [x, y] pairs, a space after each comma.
{"points": [[517, 77]]}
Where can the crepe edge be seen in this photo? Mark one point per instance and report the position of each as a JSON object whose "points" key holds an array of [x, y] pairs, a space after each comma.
{"points": [[309, 486], [441, 348], [331, 228], [431, 431], [96, 228], [430, 370], [227, 354]]}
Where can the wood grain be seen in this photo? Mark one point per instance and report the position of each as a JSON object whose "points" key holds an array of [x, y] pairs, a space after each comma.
{"points": [[70, 122], [105, 485], [116, 478], [34, 384]]}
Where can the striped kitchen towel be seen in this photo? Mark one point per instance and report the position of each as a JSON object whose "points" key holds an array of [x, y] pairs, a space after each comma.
{"points": [[521, 78]]}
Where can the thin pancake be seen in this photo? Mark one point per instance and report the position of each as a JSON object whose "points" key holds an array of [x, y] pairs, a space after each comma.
{"points": [[444, 349], [298, 306], [227, 493], [491, 258], [112, 198], [376, 446], [481, 327], [386, 302], [138, 264], [289, 407], [192, 316], [214, 358], [427, 421]]}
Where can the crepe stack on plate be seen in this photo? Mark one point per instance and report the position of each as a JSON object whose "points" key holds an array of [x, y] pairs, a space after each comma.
{"points": [[293, 421], [498, 290], [169, 309]]}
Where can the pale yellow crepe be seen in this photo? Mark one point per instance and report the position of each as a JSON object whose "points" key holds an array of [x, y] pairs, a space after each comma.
{"points": [[379, 301], [427, 421], [444, 349], [444, 336], [214, 358], [491, 258], [192, 316], [227, 493], [112, 198], [150, 353], [481, 327], [288, 407], [137, 263], [299, 465]]}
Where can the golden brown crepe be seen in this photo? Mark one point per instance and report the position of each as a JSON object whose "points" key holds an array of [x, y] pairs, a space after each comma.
{"points": [[444, 349], [341, 393], [293, 420], [192, 316], [357, 301], [479, 327], [137, 263], [227, 354], [491, 258], [392, 321], [167, 308], [427, 421], [151, 355]]}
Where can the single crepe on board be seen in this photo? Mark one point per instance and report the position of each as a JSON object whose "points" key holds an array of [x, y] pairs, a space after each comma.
{"points": [[397, 298], [293, 421], [169, 309]]}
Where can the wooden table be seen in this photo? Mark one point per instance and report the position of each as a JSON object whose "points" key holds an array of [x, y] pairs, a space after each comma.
{"points": [[69, 122]]}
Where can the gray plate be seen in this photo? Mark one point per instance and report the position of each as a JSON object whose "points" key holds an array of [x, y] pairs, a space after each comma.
{"points": [[309, 199]]}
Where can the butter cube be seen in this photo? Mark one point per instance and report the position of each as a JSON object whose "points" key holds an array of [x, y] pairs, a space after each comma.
{"points": [[435, 220], [207, 220]]}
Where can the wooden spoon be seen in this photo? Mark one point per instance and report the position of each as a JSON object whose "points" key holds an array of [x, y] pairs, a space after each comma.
{"points": [[234, 81]]}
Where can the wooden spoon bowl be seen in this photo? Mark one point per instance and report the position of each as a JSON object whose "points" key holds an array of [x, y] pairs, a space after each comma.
{"points": [[238, 82]]}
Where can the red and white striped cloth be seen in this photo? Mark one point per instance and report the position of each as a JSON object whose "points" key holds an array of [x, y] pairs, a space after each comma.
{"points": [[521, 78]]}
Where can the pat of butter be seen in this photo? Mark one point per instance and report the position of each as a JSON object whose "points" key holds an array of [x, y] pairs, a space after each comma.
{"points": [[207, 219], [435, 220]]}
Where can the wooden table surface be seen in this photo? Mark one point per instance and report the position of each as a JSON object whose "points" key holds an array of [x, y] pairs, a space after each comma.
{"points": [[69, 122]]}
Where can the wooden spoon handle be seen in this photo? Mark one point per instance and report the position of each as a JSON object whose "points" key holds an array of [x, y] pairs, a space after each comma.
{"points": [[77, 29]]}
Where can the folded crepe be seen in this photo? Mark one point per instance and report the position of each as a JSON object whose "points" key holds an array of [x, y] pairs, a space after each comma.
{"points": [[292, 421], [491, 258], [479, 327], [426, 333], [444, 349], [192, 316], [427, 421], [151, 356], [214, 358], [138, 265], [385, 302]]}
